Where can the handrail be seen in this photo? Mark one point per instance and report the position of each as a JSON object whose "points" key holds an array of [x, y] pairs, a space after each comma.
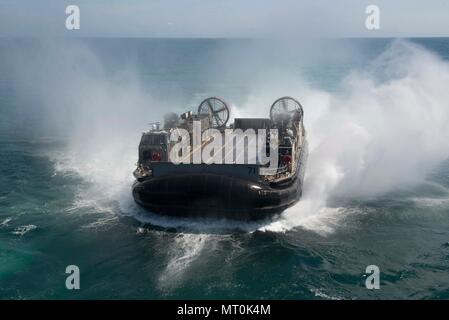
{"points": [[277, 170]]}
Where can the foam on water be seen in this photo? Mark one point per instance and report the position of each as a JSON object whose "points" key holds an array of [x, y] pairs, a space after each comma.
{"points": [[22, 230], [5, 222], [182, 252]]}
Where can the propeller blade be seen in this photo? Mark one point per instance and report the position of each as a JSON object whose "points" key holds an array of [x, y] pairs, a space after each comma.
{"points": [[220, 110], [211, 108], [217, 119]]}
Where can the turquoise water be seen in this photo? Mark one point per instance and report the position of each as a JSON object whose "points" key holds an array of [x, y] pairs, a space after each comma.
{"points": [[72, 113]]}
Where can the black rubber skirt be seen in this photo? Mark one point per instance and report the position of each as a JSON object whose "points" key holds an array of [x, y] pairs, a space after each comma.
{"points": [[216, 196]]}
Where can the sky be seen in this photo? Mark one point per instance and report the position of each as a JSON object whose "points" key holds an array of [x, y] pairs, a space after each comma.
{"points": [[225, 18]]}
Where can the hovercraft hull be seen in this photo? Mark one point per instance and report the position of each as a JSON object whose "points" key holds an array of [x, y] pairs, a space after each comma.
{"points": [[210, 195]]}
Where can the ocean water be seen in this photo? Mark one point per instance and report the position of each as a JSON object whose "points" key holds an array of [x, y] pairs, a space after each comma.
{"points": [[376, 188]]}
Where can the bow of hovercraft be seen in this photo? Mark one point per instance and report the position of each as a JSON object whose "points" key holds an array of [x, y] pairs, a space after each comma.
{"points": [[212, 193], [227, 189]]}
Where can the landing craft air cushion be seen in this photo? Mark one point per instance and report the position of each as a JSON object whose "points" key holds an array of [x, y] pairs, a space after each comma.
{"points": [[222, 189]]}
